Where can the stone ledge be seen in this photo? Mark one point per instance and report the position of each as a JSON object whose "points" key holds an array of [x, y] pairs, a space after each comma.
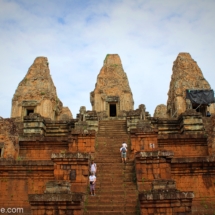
{"points": [[167, 121], [167, 154], [44, 138], [161, 184], [70, 155], [48, 197], [165, 194], [58, 187], [12, 162], [207, 159], [182, 136]]}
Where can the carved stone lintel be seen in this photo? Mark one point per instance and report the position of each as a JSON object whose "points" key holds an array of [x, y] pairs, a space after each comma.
{"points": [[32, 103], [112, 99]]}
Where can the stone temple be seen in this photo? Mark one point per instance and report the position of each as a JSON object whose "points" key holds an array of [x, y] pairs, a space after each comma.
{"points": [[45, 152]]}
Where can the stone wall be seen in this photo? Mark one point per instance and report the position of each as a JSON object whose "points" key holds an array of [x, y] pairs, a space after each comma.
{"points": [[23, 183], [20, 178], [9, 138], [73, 167], [40, 138], [174, 162]]}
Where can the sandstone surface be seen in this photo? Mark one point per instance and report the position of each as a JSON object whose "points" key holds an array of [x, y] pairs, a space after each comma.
{"points": [[66, 114], [37, 93], [186, 75], [112, 86], [161, 111], [9, 139]]}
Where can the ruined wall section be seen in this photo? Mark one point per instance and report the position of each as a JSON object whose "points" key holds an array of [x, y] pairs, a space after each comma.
{"points": [[66, 114], [112, 81], [186, 75], [161, 111], [9, 139], [37, 92]]}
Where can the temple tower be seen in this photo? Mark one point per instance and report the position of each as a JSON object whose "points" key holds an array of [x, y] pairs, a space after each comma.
{"points": [[112, 94], [186, 77], [36, 93]]}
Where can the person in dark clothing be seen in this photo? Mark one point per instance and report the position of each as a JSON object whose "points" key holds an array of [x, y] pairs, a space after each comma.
{"points": [[208, 114]]}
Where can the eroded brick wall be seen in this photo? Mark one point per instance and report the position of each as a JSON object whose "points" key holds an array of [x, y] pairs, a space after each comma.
{"points": [[144, 142], [20, 178], [184, 145]]}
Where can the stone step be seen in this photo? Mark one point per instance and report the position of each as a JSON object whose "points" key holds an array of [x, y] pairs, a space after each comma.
{"points": [[111, 161], [108, 150], [119, 164], [105, 183], [112, 174], [116, 208], [100, 199], [121, 204], [110, 133], [118, 126], [113, 120], [110, 153], [114, 167], [108, 146], [113, 198], [116, 189], [119, 180], [110, 193], [56, 134], [110, 213], [111, 136], [110, 202], [121, 130], [104, 174]]}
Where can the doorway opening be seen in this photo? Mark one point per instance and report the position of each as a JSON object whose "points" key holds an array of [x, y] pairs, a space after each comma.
{"points": [[112, 110], [200, 109], [28, 111]]}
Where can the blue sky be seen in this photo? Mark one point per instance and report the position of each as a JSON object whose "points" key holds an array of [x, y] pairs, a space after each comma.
{"points": [[77, 35]]}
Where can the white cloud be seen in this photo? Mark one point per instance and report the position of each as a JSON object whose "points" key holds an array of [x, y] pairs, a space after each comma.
{"points": [[76, 38]]}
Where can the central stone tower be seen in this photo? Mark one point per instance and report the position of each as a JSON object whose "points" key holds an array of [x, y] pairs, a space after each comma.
{"points": [[112, 94]]}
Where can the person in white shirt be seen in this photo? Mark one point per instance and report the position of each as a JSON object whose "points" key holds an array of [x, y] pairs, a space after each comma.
{"points": [[124, 144], [93, 167], [92, 180], [123, 151]]}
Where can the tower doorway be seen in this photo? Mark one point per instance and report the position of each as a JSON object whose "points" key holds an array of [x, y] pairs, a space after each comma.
{"points": [[28, 111], [112, 110]]}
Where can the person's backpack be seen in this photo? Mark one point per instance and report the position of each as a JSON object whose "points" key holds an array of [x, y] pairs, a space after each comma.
{"points": [[123, 150]]}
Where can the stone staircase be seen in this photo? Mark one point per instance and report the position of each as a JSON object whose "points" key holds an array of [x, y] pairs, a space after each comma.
{"points": [[112, 128], [116, 191], [56, 129]]}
